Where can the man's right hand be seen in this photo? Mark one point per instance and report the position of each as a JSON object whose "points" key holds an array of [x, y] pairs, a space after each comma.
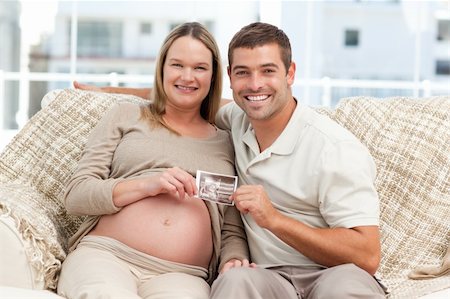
{"points": [[140, 92], [235, 263], [78, 85]]}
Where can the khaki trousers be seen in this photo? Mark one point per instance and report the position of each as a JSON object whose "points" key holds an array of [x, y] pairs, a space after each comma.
{"points": [[293, 282], [102, 267]]}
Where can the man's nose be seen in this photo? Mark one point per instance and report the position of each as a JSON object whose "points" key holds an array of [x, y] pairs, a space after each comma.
{"points": [[255, 82]]}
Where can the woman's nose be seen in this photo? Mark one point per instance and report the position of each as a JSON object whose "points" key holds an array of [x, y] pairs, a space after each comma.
{"points": [[186, 74]]}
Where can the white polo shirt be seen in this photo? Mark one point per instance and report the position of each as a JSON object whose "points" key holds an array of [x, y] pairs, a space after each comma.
{"points": [[316, 172]]}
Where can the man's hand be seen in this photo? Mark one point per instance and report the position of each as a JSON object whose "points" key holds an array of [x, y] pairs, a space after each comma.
{"points": [[140, 92], [253, 199], [78, 85], [235, 263]]}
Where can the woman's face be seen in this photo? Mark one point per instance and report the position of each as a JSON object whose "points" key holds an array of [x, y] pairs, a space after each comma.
{"points": [[187, 73]]}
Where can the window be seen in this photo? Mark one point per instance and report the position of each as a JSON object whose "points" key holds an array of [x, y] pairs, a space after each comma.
{"points": [[351, 38], [173, 25], [99, 39], [443, 30], [209, 25], [146, 28], [443, 67]]}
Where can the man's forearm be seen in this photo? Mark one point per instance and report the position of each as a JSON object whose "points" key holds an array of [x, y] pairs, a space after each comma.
{"points": [[331, 246], [140, 92]]}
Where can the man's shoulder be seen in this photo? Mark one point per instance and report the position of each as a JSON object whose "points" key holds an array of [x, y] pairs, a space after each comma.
{"points": [[232, 113], [328, 128]]}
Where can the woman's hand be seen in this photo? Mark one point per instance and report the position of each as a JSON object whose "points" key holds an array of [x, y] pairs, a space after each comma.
{"points": [[174, 180], [235, 263]]}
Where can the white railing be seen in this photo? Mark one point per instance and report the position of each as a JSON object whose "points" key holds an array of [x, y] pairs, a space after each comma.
{"points": [[422, 88]]}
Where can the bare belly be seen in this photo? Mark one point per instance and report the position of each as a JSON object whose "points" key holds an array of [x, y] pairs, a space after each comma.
{"points": [[164, 227]]}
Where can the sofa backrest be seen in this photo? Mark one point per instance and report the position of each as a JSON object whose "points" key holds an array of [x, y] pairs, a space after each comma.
{"points": [[409, 140], [45, 153]]}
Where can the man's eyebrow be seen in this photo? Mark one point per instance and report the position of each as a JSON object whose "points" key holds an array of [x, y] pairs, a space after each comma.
{"points": [[269, 64], [239, 67]]}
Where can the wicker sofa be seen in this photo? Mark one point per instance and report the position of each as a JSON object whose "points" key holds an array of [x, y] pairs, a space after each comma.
{"points": [[408, 138]]}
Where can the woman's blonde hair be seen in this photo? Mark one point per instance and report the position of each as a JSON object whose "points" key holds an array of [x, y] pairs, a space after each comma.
{"points": [[158, 97]]}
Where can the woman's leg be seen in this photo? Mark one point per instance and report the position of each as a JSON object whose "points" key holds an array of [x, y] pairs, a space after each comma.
{"points": [[95, 273]]}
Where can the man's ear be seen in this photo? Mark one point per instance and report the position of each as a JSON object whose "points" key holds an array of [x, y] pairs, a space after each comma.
{"points": [[291, 74], [229, 74]]}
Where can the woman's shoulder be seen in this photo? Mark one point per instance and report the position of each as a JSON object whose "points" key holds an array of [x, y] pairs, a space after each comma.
{"points": [[126, 110], [222, 133]]}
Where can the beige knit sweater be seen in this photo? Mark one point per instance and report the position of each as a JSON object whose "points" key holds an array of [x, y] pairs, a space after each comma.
{"points": [[123, 145]]}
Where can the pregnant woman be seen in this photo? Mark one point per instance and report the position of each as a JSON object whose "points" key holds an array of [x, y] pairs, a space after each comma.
{"points": [[145, 235]]}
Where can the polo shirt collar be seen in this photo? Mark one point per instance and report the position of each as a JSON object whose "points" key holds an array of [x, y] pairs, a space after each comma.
{"points": [[286, 142]]}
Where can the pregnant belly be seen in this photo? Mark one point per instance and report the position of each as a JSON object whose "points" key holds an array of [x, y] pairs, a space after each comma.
{"points": [[165, 227]]}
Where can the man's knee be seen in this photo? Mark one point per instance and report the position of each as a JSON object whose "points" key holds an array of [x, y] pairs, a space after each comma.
{"points": [[252, 283], [237, 276], [346, 281]]}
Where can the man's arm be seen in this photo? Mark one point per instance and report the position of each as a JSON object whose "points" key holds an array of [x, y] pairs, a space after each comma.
{"points": [[331, 246], [326, 246], [140, 92]]}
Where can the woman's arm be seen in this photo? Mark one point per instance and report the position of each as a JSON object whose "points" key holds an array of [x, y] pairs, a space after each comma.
{"points": [[92, 191], [174, 180]]}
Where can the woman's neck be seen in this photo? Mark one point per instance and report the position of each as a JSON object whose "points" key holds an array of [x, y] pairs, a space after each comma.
{"points": [[189, 124]]}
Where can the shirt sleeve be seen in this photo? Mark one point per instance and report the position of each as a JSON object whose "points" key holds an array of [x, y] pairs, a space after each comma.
{"points": [[234, 240], [89, 191], [347, 194]]}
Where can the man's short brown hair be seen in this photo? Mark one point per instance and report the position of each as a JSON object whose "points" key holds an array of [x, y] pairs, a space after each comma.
{"points": [[259, 34]]}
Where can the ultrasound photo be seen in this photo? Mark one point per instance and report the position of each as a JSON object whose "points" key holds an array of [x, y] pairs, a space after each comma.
{"points": [[216, 187]]}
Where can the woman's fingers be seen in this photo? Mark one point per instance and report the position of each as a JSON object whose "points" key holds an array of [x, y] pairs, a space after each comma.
{"points": [[183, 182]]}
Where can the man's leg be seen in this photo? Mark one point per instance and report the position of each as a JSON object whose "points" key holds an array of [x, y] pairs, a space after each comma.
{"points": [[343, 281], [255, 283], [174, 286]]}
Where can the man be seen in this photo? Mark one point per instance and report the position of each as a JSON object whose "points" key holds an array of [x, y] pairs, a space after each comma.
{"points": [[309, 205], [306, 193]]}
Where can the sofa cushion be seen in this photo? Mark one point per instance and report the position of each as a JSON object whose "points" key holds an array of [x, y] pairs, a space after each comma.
{"points": [[15, 268], [409, 140]]}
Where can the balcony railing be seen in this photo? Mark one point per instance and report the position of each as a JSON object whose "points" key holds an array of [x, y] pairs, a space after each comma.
{"points": [[325, 85]]}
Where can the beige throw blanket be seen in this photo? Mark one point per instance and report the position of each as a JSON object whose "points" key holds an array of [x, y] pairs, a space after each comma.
{"points": [[426, 272]]}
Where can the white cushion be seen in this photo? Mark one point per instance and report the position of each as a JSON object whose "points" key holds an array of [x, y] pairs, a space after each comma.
{"points": [[16, 270], [16, 293]]}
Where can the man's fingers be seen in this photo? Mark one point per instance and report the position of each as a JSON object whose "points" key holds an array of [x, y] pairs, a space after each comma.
{"points": [[82, 86], [226, 267]]}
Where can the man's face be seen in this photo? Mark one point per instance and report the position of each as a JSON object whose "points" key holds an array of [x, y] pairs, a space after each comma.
{"points": [[260, 83]]}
